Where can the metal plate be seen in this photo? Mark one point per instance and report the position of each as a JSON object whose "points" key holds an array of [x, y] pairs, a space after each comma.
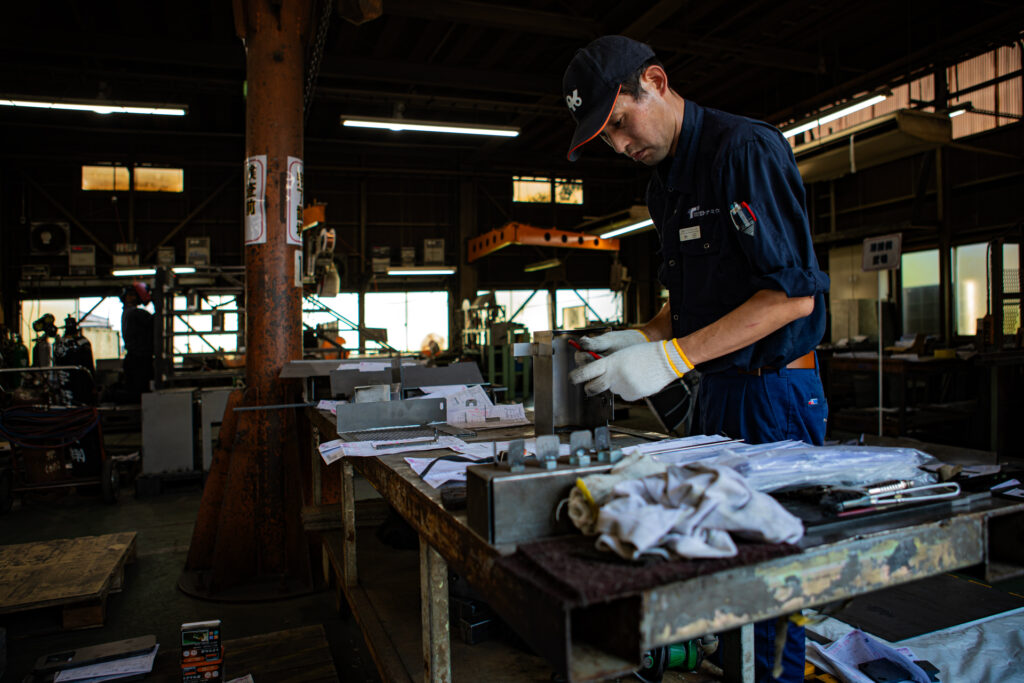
{"points": [[363, 417], [416, 376]]}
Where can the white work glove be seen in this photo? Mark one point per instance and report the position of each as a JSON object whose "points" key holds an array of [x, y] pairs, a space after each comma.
{"points": [[634, 372], [610, 342]]}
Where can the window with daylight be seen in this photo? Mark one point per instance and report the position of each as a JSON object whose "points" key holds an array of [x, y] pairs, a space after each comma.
{"points": [[409, 317], [531, 190], [148, 179], [920, 293], [530, 307], [568, 191], [212, 327], [110, 178]]}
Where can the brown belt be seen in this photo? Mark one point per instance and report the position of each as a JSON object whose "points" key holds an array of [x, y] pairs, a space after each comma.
{"points": [[805, 362]]}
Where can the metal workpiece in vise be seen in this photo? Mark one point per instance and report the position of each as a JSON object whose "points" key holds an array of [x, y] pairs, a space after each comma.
{"points": [[558, 403]]}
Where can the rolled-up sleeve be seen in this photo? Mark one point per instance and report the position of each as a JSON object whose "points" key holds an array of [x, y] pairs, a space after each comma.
{"points": [[761, 172]]}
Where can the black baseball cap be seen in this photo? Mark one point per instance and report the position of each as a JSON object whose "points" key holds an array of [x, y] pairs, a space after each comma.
{"points": [[592, 82]]}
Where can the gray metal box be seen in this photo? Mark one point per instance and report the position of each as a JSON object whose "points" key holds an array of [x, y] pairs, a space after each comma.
{"points": [[557, 402], [167, 436], [516, 507]]}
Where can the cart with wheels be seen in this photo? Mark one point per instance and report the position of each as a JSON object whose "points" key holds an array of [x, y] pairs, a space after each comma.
{"points": [[53, 446]]}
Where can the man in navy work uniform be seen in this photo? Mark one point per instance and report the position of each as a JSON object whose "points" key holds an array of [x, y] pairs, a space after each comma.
{"points": [[746, 297]]}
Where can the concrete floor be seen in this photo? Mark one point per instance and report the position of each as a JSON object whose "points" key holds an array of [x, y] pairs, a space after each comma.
{"points": [[151, 602]]}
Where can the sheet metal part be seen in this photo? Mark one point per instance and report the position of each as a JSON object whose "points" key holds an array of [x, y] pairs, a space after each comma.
{"points": [[516, 457], [547, 451], [581, 443], [558, 403], [366, 417], [515, 507], [416, 376]]}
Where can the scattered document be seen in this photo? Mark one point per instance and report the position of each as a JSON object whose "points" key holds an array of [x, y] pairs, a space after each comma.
{"points": [[247, 678], [329, 406], [844, 657], [373, 366], [443, 471], [110, 671], [490, 417], [331, 451], [446, 470]]}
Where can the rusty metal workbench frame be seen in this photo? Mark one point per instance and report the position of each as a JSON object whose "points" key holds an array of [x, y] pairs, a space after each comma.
{"points": [[605, 640]]}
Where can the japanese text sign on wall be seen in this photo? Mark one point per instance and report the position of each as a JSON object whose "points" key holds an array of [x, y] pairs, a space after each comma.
{"points": [[296, 183], [255, 179]]}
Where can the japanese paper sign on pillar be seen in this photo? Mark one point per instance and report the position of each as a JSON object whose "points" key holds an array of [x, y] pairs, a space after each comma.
{"points": [[256, 199]]}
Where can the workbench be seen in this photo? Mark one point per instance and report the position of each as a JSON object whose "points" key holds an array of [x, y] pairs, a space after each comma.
{"points": [[593, 641]]}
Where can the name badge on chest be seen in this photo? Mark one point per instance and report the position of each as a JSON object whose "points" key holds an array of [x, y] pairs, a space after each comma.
{"points": [[690, 233]]}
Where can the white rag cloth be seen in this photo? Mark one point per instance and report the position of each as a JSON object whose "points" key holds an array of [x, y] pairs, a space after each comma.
{"points": [[689, 511]]}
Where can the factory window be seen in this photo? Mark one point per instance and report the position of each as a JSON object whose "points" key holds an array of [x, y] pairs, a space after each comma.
{"points": [[346, 305], [971, 279], [409, 317], [207, 324], [537, 190], [921, 297], [531, 190], [990, 106], [110, 178], [148, 179], [530, 307], [99, 319], [600, 303], [568, 191]]}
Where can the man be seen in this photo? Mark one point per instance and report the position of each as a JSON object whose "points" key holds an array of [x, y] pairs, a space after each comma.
{"points": [[137, 333], [746, 297]]}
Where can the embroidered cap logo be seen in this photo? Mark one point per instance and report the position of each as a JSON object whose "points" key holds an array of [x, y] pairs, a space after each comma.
{"points": [[573, 100]]}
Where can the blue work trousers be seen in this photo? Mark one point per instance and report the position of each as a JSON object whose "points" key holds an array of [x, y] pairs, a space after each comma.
{"points": [[773, 406]]}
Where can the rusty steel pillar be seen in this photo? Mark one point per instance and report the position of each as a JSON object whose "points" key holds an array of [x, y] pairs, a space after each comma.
{"points": [[248, 542]]}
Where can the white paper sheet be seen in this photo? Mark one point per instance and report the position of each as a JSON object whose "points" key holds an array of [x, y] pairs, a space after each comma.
{"points": [[329, 406], [446, 471], [372, 366], [333, 450], [112, 670]]}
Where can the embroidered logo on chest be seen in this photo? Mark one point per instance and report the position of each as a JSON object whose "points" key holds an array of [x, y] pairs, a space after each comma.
{"points": [[697, 212]]}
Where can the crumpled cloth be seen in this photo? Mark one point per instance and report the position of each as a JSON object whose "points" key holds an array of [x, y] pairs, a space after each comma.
{"points": [[583, 511], [690, 511]]}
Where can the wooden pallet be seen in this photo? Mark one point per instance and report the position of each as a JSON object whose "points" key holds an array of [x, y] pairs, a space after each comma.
{"points": [[72, 574]]}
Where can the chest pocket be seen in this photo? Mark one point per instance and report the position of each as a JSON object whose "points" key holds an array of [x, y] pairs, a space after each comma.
{"points": [[700, 236]]}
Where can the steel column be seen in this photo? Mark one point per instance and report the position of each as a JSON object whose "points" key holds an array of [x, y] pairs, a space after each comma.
{"points": [[248, 542]]}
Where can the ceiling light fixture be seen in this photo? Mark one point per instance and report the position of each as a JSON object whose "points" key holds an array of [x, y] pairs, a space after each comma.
{"points": [[428, 126], [183, 270], [132, 272], [96, 106], [542, 265], [832, 116], [421, 270], [632, 227]]}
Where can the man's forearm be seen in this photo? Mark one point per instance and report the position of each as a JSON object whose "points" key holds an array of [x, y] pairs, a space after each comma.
{"points": [[760, 315], [659, 327]]}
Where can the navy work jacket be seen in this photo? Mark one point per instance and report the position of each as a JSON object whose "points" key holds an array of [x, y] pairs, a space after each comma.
{"points": [[729, 208]]}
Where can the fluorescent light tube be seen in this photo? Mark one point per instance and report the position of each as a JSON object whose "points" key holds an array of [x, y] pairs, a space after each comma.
{"points": [[132, 272], [625, 229], [832, 116], [542, 265], [428, 126], [957, 112], [183, 270], [96, 107], [422, 270]]}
